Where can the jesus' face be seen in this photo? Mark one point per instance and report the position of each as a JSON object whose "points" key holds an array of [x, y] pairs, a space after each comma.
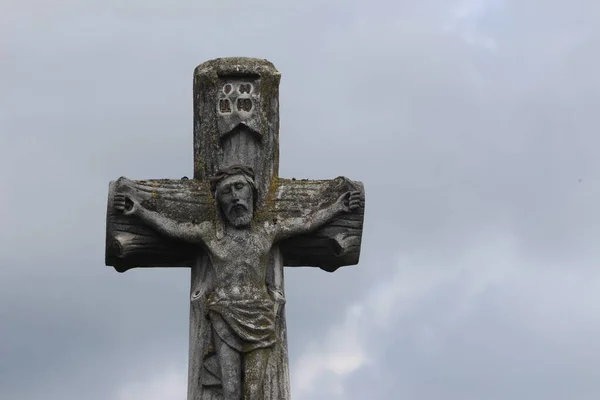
{"points": [[235, 197]]}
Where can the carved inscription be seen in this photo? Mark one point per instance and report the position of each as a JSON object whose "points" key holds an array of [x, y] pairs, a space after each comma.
{"points": [[245, 88], [244, 105], [238, 94], [225, 106]]}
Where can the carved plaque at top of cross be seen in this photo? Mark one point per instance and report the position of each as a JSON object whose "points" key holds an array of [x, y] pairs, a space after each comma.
{"points": [[235, 225]]}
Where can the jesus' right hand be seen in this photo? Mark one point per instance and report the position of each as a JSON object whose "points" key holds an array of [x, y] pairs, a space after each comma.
{"points": [[125, 204]]}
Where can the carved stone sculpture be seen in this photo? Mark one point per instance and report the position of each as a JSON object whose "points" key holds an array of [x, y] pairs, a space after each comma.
{"points": [[236, 224]]}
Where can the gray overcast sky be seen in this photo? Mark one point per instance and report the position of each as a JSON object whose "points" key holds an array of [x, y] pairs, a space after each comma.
{"points": [[473, 125]]}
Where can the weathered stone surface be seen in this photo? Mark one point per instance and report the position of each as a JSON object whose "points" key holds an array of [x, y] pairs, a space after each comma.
{"points": [[236, 224], [225, 134]]}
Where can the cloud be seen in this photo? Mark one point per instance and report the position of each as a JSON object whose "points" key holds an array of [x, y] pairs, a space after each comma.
{"points": [[475, 327], [467, 20], [166, 383], [336, 355], [352, 347]]}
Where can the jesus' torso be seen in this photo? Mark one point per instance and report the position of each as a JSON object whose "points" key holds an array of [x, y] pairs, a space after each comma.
{"points": [[239, 304], [239, 257]]}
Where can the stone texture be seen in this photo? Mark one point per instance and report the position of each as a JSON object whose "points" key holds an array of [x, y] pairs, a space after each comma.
{"points": [[236, 136]]}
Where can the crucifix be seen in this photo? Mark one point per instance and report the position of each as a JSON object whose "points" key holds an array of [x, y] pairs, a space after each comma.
{"points": [[235, 224]]}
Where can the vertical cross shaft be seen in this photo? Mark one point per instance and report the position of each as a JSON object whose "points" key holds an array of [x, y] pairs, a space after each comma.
{"points": [[236, 121], [236, 117]]}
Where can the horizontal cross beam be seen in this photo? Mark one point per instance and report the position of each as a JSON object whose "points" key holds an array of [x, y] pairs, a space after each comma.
{"points": [[130, 243]]}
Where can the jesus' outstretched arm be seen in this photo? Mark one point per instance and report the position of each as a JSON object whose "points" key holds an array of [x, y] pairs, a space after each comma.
{"points": [[184, 231], [347, 202]]}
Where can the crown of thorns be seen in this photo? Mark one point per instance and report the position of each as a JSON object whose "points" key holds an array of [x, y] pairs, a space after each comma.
{"points": [[246, 172]]}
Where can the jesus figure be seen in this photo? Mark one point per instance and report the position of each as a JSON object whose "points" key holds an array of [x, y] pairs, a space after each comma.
{"points": [[240, 307]]}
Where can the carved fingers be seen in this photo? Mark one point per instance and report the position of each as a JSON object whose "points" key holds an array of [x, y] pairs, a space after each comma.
{"points": [[129, 195], [124, 204], [354, 200], [350, 201]]}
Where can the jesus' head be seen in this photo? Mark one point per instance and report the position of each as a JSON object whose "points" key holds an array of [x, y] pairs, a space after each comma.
{"points": [[235, 192]]}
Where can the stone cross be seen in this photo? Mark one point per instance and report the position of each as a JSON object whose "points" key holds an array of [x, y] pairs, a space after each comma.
{"points": [[235, 225]]}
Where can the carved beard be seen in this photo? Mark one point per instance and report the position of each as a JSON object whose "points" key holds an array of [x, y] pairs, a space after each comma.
{"points": [[239, 215]]}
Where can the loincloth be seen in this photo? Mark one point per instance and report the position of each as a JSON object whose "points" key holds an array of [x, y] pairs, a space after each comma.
{"points": [[246, 323]]}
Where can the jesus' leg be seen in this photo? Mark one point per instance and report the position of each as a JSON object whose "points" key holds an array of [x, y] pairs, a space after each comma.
{"points": [[255, 366], [231, 369]]}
